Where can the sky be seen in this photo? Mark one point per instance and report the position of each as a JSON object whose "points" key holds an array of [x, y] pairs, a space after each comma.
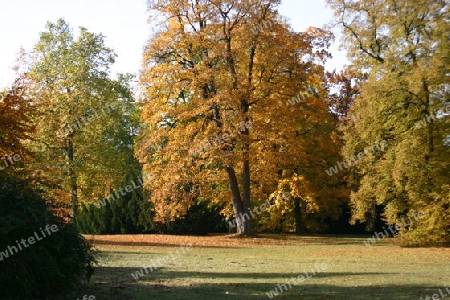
{"points": [[122, 22]]}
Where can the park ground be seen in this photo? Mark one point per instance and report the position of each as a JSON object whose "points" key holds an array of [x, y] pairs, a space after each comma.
{"points": [[227, 267]]}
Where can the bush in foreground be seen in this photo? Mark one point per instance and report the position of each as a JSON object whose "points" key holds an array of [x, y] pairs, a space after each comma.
{"points": [[58, 259]]}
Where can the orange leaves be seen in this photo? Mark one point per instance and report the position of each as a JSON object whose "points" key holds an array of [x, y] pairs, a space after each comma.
{"points": [[15, 126], [228, 65]]}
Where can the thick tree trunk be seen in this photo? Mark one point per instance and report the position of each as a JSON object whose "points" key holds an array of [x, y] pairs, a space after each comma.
{"points": [[241, 205], [243, 219], [246, 201], [246, 196]]}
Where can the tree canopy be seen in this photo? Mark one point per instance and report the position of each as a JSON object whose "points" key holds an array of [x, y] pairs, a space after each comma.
{"points": [[404, 47], [84, 117], [220, 120], [233, 117]]}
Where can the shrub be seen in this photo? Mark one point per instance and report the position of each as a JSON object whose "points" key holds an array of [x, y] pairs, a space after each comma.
{"points": [[128, 214], [51, 266]]}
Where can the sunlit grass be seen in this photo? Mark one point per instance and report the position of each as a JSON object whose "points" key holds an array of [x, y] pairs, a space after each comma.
{"points": [[354, 271]]}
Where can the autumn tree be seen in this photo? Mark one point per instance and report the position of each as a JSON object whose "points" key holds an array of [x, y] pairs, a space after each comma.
{"points": [[343, 88], [404, 47], [230, 93], [16, 113], [85, 124], [65, 260]]}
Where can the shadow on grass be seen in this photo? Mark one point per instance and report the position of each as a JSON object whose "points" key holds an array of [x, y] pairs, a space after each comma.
{"points": [[111, 252], [117, 283], [208, 275]]}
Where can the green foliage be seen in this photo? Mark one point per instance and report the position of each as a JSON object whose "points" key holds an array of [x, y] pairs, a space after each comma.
{"points": [[404, 46], [132, 214], [84, 117], [50, 266], [128, 214]]}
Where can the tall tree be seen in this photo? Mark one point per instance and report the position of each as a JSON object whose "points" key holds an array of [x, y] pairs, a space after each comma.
{"points": [[84, 117], [405, 47], [218, 78]]}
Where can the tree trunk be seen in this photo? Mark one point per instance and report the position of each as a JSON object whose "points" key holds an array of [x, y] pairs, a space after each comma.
{"points": [[246, 196], [243, 221], [73, 187], [246, 201], [430, 132], [297, 215], [430, 118], [241, 205]]}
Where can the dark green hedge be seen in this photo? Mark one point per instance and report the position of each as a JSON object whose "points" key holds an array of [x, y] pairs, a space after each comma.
{"points": [[128, 214], [133, 214], [51, 266]]}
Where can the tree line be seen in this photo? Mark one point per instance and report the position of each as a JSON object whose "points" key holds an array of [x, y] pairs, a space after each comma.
{"points": [[81, 133]]}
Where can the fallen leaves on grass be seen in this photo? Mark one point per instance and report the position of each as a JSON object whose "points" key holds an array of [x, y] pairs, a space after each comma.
{"points": [[222, 241]]}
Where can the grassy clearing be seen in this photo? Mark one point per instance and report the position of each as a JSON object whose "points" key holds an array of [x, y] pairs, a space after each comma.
{"points": [[221, 267]]}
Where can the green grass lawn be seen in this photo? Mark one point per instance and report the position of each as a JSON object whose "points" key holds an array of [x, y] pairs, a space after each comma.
{"points": [[230, 271]]}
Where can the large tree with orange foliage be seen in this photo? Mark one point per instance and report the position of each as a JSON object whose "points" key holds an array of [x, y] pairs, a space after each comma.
{"points": [[233, 103]]}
